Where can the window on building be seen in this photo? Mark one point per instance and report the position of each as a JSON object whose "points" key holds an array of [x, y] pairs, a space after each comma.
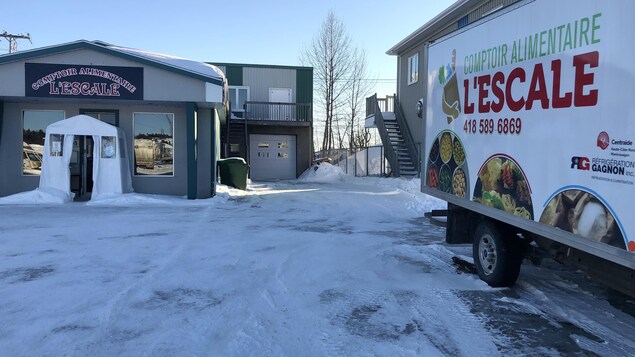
{"points": [[107, 116], [238, 95], [34, 123], [413, 69], [153, 144]]}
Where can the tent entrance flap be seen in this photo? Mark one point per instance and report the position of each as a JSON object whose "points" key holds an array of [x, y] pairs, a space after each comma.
{"points": [[81, 165]]}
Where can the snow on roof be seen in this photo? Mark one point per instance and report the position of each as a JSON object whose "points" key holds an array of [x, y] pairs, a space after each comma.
{"points": [[200, 68], [183, 64]]}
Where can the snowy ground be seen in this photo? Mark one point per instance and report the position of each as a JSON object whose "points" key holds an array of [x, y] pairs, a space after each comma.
{"points": [[322, 266]]}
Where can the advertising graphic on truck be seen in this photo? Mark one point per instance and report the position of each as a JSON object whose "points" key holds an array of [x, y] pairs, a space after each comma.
{"points": [[534, 116]]}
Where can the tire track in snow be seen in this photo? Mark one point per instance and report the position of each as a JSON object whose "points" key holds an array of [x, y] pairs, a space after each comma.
{"points": [[107, 333], [563, 302], [441, 321]]}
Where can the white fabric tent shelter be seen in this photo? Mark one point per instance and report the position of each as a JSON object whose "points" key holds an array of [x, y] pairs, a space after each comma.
{"points": [[111, 169]]}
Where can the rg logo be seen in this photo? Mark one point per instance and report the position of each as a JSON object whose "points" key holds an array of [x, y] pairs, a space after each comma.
{"points": [[580, 163]]}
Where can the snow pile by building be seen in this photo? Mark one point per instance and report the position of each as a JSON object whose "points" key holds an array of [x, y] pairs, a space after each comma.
{"points": [[37, 196], [136, 199], [323, 173]]}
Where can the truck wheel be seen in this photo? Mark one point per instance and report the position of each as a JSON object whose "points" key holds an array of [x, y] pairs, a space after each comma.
{"points": [[497, 258]]}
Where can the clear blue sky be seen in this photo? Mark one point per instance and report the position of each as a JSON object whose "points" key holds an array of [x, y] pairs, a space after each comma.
{"points": [[261, 32]]}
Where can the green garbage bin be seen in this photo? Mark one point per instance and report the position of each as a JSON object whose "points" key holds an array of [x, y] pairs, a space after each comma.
{"points": [[233, 172]]}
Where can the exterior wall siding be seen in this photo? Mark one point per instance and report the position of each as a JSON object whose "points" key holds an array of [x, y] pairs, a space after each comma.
{"points": [[410, 94], [11, 145], [205, 123], [304, 85], [260, 80], [234, 75]]}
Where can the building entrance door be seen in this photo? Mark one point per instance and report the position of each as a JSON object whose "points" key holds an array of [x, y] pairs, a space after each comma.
{"points": [[81, 167], [280, 111]]}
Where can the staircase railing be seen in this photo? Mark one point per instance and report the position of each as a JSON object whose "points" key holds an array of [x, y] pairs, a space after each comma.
{"points": [[228, 118], [407, 136], [390, 153], [246, 133], [275, 111], [385, 104]]}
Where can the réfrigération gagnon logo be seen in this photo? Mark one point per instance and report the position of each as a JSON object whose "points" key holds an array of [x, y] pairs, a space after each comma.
{"points": [[605, 166]]}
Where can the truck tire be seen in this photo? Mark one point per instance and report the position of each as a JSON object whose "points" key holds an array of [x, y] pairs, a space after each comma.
{"points": [[497, 257]]}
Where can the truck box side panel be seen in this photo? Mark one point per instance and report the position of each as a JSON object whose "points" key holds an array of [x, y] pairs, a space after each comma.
{"points": [[529, 117]]}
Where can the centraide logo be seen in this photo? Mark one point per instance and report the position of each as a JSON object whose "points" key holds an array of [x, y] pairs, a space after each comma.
{"points": [[603, 140]]}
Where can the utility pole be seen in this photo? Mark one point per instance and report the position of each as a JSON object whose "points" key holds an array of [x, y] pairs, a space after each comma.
{"points": [[13, 43]]}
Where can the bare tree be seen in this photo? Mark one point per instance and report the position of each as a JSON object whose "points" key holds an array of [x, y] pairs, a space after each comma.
{"points": [[359, 88], [331, 56], [340, 131], [362, 137]]}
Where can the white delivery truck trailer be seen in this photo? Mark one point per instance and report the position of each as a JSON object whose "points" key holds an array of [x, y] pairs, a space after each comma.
{"points": [[528, 135]]}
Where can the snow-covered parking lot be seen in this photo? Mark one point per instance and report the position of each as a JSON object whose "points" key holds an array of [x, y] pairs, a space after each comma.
{"points": [[326, 266]]}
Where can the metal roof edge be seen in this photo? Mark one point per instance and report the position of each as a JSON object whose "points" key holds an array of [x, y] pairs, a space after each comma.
{"points": [[432, 26], [42, 51], [103, 47], [248, 65]]}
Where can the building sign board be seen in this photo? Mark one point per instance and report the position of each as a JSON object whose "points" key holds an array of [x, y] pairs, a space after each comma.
{"points": [[83, 81]]}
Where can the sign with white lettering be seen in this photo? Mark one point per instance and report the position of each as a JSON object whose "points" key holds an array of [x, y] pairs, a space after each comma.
{"points": [[83, 81]]}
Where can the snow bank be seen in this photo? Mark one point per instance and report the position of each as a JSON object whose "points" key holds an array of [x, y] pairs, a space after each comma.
{"points": [[323, 173], [137, 199], [419, 202], [37, 196]]}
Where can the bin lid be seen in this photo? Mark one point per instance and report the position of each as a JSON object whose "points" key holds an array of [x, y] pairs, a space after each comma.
{"points": [[233, 159]]}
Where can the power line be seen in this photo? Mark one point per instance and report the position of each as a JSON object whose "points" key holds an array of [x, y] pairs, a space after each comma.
{"points": [[12, 38], [363, 79]]}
